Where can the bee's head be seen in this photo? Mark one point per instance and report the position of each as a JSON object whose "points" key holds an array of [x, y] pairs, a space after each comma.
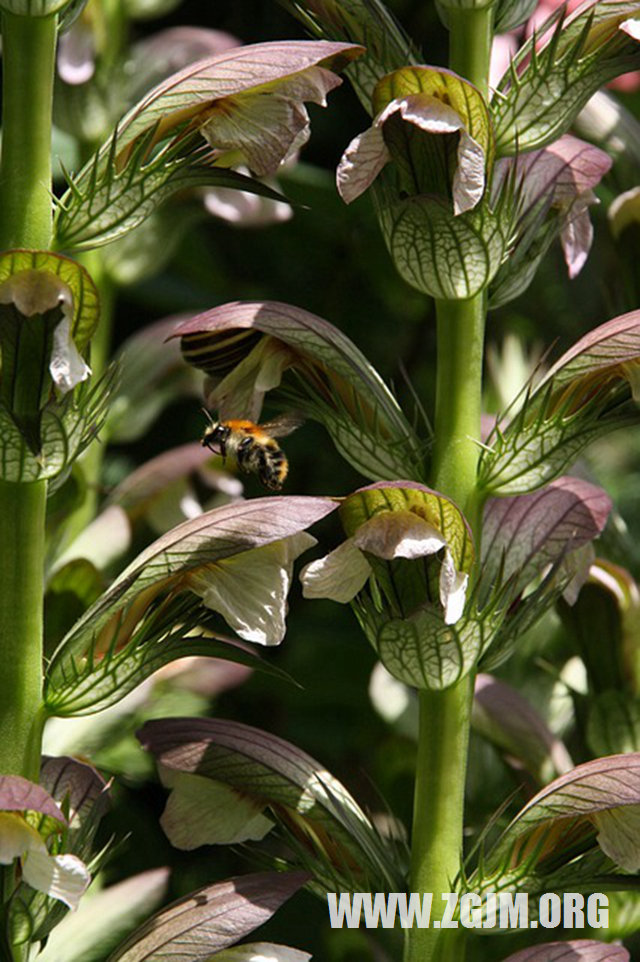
{"points": [[215, 433]]}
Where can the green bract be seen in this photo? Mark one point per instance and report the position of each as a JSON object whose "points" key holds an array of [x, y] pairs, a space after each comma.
{"points": [[586, 394], [544, 89]]}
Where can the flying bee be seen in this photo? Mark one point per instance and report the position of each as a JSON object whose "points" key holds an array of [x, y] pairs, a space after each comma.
{"points": [[253, 446]]}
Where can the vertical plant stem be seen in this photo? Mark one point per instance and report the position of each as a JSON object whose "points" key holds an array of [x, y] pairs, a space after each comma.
{"points": [[22, 510], [445, 716], [28, 56]]}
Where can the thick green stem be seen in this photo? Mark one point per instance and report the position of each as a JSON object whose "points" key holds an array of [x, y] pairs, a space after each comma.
{"points": [[22, 515], [470, 39], [28, 55], [436, 847], [459, 400]]}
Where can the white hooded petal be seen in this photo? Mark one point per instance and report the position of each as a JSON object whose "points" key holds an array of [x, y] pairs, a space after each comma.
{"points": [[17, 837], [200, 811], [619, 835], [398, 534], [340, 575], [453, 589], [250, 589], [361, 163], [67, 367], [62, 877], [576, 235]]}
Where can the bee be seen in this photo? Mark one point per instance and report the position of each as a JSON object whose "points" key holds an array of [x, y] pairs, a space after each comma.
{"points": [[253, 446]]}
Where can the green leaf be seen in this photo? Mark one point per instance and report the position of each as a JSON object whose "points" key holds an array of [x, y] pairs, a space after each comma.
{"points": [[203, 923], [70, 591], [33, 8], [329, 380], [544, 90]]}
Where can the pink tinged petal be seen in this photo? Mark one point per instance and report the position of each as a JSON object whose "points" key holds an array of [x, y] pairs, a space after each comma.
{"points": [[17, 837], [453, 589], [340, 575], [267, 125], [619, 835], [576, 238], [398, 534], [631, 27], [200, 811], [77, 54], [62, 877], [468, 182], [258, 130], [361, 163], [250, 589], [244, 209]]}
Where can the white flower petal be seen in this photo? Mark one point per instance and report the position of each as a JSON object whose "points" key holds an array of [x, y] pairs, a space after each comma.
{"points": [[17, 837], [398, 534], [619, 835], [453, 589], [250, 589], [67, 367], [340, 575], [361, 163], [62, 877], [200, 811], [576, 236]]}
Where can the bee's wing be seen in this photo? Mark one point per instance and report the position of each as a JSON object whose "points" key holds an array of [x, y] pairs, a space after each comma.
{"points": [[283, 425]]}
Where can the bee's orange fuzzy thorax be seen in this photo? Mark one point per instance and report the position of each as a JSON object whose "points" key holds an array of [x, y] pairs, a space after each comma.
{"points": [[249, 427]]}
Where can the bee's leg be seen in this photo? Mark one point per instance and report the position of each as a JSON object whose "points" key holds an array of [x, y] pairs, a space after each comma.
{"points": [[243, 455]]}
